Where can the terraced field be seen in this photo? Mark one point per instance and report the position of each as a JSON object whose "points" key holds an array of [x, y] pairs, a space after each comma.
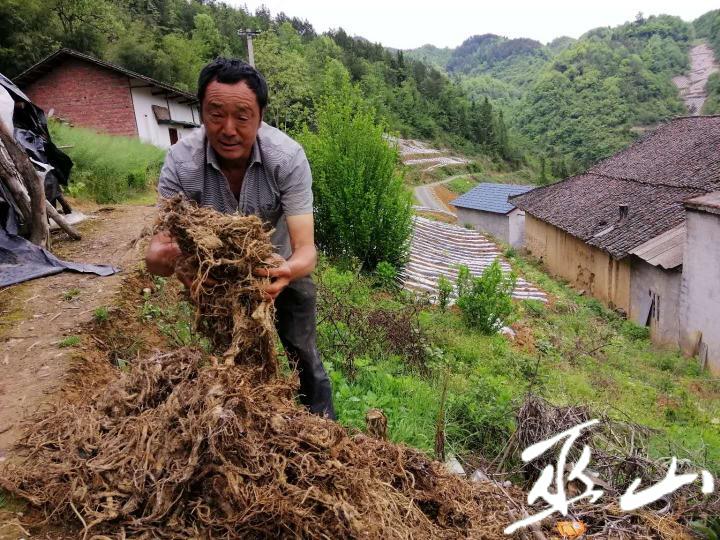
{"points": [[439, 248]]}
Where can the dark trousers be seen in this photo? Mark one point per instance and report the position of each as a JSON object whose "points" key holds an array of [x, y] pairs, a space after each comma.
{"points": [[295, 323]]}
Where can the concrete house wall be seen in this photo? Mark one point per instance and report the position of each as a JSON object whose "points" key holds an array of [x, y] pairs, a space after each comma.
{"points": [[700, 306], [148, 128], [509, 228], [517, 227], [490, 222], [584, 266], [655, 299]]}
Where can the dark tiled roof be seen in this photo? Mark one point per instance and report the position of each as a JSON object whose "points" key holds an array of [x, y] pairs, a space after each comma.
{"points": [[653, 177], [490, 197], [684, 152]]}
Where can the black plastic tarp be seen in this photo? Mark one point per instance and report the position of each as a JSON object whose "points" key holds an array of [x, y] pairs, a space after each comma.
{"points": [[31, 133]]}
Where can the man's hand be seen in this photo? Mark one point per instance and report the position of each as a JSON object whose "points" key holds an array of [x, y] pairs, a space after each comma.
{"points": [[162, 256], [280, 274]]}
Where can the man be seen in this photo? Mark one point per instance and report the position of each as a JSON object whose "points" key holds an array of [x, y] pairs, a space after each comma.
{"points": [[237, 163]]}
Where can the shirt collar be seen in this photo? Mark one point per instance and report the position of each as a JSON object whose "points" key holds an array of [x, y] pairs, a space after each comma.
{"points": [[211, 156]]}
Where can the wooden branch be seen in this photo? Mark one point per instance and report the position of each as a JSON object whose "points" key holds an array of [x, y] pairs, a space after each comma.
{"points": [[62, 223], [35, 188], [12, 179]]}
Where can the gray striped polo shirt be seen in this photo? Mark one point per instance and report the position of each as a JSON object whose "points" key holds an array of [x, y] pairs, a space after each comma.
{"points": [[277, 183]]}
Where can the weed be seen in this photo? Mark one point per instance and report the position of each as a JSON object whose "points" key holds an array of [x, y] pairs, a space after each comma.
{"points": [[70, 341], [71, 294], [101, 314], [708, 529], [386, 275], [445, 289], [634, 331]]}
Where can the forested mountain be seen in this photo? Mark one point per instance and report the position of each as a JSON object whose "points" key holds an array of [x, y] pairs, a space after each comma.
{"points": [[586, 100], [170, 40], [576, 101], [567, 103]]}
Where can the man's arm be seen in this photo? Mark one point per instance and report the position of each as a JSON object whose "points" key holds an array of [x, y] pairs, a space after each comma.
{"points": [[302, 261]]}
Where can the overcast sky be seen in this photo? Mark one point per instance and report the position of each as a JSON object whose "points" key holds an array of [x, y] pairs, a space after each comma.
{"points": [[447, 23]]}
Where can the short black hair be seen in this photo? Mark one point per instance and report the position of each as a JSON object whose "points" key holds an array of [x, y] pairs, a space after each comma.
{"points": [[231, 71]]}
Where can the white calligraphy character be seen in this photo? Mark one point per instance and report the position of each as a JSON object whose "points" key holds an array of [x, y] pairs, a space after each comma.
{"points": [[672, 482], [558, 501]]}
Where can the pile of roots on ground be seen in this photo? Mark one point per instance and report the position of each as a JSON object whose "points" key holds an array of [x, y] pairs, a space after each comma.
{"points": [[184, 445]]}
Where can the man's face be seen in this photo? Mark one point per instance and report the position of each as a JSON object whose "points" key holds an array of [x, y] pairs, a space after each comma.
{"points": [[232, 117]]}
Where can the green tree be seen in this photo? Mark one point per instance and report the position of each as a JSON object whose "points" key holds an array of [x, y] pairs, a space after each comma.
{"points": [[288, 81], [361, 207], [206, 38]]}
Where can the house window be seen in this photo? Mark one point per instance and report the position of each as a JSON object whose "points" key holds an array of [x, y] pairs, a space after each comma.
{"points": [[173, 135]]}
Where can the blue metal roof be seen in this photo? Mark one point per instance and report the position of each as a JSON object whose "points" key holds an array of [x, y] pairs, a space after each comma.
{"points": [[490, 197]]}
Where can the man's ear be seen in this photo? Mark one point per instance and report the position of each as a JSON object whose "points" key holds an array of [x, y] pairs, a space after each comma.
{"points": [[262, 114]]}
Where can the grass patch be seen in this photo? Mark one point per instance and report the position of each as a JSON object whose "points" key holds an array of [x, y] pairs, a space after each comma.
{"points": [[574, 351], [462, 184], [588, 354], [71, 294], [108, 169], [70, 341], [101, 314]]}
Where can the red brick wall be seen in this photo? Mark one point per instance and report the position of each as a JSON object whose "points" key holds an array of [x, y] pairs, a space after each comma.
{"points": [[86, 95]]}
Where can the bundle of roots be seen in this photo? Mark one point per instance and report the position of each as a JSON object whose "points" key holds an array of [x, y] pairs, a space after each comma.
{"points": [[221, 252], [182, 446]]}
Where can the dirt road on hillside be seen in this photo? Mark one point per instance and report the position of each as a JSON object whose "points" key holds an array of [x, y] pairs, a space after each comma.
{"points": [[426, 197], [37, 315], [693, 85]]}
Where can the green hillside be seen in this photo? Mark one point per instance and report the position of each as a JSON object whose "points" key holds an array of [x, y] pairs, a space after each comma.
{"points": [[576, 101]]}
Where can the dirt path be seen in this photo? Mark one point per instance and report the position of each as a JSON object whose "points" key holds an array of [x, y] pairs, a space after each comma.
{"points": [[37, 315], [427, 198], [693, 86]]}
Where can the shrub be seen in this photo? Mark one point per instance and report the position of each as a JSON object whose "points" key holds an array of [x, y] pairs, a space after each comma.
{"points": [[70, 341], [108, 169], [445, 289], [485, 301], [386, 275], [361, 206]]}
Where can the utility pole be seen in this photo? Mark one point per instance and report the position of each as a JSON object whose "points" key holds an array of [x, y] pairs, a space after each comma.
{"points": [[249, 35]]}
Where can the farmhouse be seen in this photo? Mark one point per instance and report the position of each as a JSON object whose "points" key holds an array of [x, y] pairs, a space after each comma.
{"points": [[620, 230], [486, 208], [99, 95]]}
